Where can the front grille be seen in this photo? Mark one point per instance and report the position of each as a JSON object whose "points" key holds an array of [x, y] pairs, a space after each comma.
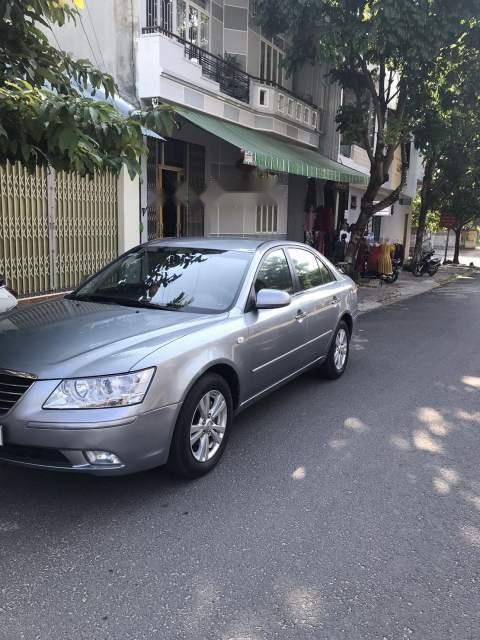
{"points": [[12, 388], [38, 455]]}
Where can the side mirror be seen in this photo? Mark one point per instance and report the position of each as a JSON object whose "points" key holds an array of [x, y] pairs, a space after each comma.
{"points": [[272, 299]]}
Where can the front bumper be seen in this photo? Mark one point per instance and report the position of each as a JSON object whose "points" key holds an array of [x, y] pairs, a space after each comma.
{"points": [[57, 440]]}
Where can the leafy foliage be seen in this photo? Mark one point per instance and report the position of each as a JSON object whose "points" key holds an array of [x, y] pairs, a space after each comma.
{"points": [[432, 222], [447, 130], [44, 114], [382, 52]]}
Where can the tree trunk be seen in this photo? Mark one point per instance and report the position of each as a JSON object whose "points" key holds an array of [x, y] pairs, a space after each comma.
{"points": [[456, 255], [368, 208], [358, 232], [366, 212], [424, 207]]}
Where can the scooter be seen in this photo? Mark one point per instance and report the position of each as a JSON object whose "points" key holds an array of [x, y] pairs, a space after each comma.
{"points": [[386, 278], [8, 300], [428, 264]]}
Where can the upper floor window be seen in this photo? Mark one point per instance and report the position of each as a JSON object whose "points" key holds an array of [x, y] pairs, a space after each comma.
{"points": [[271, 62], [159, 14], [193, 23]]}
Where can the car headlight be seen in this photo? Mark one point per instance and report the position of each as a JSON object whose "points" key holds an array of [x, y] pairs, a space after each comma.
{"points": [[106, 391]]}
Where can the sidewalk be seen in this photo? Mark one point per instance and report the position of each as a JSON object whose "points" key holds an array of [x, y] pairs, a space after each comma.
{"points": [[375, 294]]}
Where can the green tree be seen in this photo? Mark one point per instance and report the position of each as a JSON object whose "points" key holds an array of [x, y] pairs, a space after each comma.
{"points": [[44, 114], [457, 192], [381, 52], [432, 222], [448, 122]]}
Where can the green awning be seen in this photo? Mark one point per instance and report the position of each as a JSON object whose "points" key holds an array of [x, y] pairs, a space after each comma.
{"points": [[273, 154]]}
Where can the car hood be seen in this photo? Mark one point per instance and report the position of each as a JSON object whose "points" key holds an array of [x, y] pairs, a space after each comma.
{"points": [[67, 338]]}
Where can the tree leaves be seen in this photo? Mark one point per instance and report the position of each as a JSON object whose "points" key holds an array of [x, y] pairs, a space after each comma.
{"points": [[367, 43], [44, 116]]}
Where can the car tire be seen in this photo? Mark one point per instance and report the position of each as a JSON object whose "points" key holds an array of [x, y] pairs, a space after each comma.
{"points": [[200, 437], [337, 359]]}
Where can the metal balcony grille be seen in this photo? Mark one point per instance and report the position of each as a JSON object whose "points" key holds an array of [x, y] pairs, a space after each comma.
{"points": [[232, 80], [12, 387]]}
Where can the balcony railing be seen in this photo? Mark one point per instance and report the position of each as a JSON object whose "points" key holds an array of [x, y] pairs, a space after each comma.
{"points": [[233, 81]]}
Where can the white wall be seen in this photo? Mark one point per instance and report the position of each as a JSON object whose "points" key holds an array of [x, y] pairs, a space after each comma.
{"points": [[104, 34], [236, 213], [393, 227], [128, 211]]}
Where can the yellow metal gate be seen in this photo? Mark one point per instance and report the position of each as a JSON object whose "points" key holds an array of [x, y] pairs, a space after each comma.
{"points": [[55, 228], [24, 245]]}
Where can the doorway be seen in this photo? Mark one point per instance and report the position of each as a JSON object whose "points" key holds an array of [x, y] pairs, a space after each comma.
{"points": [[170, 213]]}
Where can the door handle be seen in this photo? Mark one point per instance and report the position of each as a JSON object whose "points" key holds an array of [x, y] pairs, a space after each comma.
{"points": [[301, 315]]}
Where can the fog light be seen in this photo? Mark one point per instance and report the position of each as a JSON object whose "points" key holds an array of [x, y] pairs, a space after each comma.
{"points": [[102, 457]]}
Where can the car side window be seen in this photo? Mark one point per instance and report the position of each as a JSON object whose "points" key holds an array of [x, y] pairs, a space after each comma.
{"points": [[274, 273], [307, 268], [327, 275]]}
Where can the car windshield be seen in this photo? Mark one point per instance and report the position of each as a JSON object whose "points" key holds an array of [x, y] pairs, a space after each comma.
{"points": [[177, 278]]}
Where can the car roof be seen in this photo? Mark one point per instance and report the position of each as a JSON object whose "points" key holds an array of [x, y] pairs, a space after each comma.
{"points": [[249, 245]]}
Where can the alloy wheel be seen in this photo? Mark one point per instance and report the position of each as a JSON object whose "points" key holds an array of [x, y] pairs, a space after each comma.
{"points": [[208, 426], [341, 349]]}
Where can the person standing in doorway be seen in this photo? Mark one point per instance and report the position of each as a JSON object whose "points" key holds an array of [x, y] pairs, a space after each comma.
{"points": [[341, 248]]}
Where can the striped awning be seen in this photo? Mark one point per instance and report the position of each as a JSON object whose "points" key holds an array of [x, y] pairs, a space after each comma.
{"points": [[267, 152]]}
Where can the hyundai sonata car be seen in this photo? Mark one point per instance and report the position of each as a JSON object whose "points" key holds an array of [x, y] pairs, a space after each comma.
{"points": [[149, 360]]}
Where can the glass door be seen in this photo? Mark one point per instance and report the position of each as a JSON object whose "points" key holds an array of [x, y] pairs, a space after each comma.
{"points": [[193, 24]]}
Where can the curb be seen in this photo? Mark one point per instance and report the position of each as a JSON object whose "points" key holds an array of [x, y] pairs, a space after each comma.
{"points": [[398, 298]]}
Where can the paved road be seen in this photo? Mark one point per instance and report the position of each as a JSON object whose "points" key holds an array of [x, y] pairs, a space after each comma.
{"points": [[346, 510]]}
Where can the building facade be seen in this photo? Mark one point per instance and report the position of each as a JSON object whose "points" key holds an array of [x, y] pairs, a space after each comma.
{"points": [[228, 80], [254, 149], [228, 84], [394, 223]]}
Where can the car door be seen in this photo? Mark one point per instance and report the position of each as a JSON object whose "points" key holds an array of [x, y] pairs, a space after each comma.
{"points": [[276, 337], [317, 299]]}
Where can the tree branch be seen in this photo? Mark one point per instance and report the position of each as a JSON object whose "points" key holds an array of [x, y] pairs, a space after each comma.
{"points": [[389, 98], [399, 113], [381, 86], [395, 194], [367, 146], [374, 94]]}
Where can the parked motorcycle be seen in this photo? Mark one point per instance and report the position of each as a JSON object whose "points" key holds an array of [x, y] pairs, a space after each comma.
{"points": [[387, 278], [7, 298], [427, 264]]}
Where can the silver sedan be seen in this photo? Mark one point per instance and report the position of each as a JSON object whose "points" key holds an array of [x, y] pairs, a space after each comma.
{"points": [[149, 360]]}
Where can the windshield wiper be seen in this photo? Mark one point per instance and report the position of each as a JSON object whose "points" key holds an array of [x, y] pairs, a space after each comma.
{"points": [[126, 302], [93, 298]]}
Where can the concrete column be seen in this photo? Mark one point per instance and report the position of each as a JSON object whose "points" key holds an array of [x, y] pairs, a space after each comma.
{"points": [[128, 211]]}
